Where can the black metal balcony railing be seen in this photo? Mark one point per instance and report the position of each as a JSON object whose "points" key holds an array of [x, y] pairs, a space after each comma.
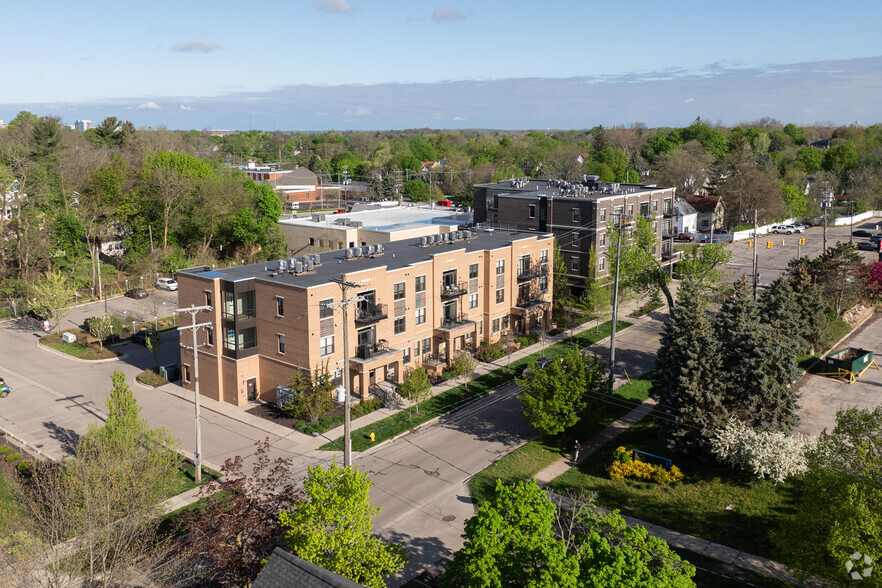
{"points": [[530, 300], [453, 289], [668, 211], [668, 233], [368, 350], [534, 271], [434, 359], [451, 322], [366, 313]]}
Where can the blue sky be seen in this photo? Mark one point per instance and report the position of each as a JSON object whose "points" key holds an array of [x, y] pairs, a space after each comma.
{"points": [[361, 64]]}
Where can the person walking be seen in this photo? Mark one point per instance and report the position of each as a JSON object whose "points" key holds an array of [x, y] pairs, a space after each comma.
{"points": [[576, 449]]}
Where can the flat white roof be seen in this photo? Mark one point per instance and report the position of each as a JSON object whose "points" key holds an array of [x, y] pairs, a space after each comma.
{"points": [[388, 220]]}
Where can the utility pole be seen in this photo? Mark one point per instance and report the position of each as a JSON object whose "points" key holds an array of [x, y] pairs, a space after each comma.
{"points": [[851, 213], [615, 309], [826, 201], [755, 253], [347, 402], [193, 326], [100, 287]]}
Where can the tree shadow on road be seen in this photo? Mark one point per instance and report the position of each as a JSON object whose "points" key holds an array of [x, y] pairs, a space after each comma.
{"points": [[67, 437], [500, 422], [429, 557]]}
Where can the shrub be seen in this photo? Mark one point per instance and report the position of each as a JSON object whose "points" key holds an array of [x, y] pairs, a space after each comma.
{"points": [[13, 457], [25, 466], [366, 407], [527, 340], [767, 454], [623, 467], [5, 450], [489, 351]]}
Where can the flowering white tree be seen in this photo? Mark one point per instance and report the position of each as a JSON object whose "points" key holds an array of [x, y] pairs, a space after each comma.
{"points": [[767, 454]]}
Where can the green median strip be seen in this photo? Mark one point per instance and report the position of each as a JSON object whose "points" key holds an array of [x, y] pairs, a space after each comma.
{"points": [[446, 401]]}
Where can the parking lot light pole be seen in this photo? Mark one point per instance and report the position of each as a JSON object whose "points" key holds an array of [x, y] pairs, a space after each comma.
{"points": [[193, 326]]}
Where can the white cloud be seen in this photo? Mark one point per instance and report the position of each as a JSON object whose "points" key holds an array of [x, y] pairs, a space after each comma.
{"points": [[197, 44], [341, 6], [445, 13], [458, 118], [689, 100], [150, 106], [185, 107], [360, 111]]}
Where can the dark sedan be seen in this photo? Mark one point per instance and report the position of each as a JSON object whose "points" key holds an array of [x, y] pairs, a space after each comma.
{"points": [[141, 337], [862, 233], [137, 293], [867, 246]]}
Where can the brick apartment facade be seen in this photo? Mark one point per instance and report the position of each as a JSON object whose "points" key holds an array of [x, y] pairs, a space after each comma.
{"points": [[578, 214], [421, 304]]}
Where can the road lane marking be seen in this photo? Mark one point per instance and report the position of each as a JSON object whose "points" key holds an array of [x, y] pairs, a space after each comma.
{"points": [[654, 338]]}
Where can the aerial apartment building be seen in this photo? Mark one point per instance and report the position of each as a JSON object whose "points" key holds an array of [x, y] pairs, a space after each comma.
{"points": [[579, 215], [412, 302]]}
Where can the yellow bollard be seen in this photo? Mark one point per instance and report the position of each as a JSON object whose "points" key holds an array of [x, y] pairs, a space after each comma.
{"points": [[372, 437]]}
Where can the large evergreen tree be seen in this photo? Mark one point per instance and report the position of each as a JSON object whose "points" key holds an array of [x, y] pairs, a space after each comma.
{"points": [[779, 308], [812, 307], [686, 377]]}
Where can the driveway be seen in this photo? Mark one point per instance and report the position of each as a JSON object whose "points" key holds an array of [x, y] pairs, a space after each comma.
{"points": [[159, 303], [822, 396]]}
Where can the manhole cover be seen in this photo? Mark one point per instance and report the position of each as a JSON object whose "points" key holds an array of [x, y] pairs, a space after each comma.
{"points": [[448, 518]]}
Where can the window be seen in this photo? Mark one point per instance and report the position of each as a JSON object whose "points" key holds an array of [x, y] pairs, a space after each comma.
{"points": [[495, 325], [473, 271], [281, 341], [531, 211], [420, 284], [367, 336], [543, 256], [543, 283], [631, 210], [241, 305], [229, 309], [311, 241], [602, 263], [207, 298], [321, 242], [500, 267], [398, 291], [209, 337], [187, 373], [576, 215], [500, 296], [247, 338], [655, 206], [399, 325], [704, 223], [326, 345], [229, 339], [505, 323], [603, 215], [473, 301], [420, 316], [325, 308], [405, 355], [601, 239], [574, 264], [575, 239], [280, 306], [427, 345]]}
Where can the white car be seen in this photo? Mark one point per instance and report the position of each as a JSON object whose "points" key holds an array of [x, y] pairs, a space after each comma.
{"points": [[170, 284], [786, 229]]}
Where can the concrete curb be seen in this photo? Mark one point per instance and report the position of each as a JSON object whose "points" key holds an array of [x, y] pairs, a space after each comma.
{"points": [[39, 345]]}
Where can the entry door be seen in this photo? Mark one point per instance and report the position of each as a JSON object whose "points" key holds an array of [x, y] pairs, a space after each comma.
{"points": [[372, 377], [251, 387]]}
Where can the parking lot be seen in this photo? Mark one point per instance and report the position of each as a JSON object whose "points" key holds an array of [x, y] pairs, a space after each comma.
{"points": [[822, 396]]}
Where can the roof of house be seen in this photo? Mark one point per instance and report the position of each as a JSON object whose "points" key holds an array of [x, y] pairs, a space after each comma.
{"points": [[299, 175], [684, 208], [703, 203], [284, 570]]}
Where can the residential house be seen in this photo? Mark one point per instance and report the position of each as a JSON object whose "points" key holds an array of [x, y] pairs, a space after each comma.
{"points": [[286, 570], [685, 217], [711, 212]]}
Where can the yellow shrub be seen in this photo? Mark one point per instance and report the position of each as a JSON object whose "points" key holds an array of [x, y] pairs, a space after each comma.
{"points": [[620, 470]]}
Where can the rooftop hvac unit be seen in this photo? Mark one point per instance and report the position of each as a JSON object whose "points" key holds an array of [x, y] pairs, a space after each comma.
{"points": [[283, 265], [310, 265], [371, 250], [347, 221], [298, 267], [317, 259], [379, 247], [360, 251], [350, 253], [357, 224], [424, 240]]}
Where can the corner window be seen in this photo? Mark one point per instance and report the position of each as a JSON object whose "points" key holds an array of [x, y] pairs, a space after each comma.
{"points": [[247, 338]]}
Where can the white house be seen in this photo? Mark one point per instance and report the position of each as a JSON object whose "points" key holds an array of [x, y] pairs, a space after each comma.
{"points": [[685, 217]]}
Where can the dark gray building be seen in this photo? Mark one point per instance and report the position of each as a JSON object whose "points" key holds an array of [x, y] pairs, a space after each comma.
{"points": [[578, 214]]}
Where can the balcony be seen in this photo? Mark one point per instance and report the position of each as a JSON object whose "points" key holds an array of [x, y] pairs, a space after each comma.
{"points": [[434, 360], [373, 350], [453, 289], [668, 233], [531, 301], [668, 209], [367, 313], [455, 322], [534, 271]]}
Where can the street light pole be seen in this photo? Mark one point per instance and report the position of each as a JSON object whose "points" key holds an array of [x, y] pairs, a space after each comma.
{"points": [[193, 310]]}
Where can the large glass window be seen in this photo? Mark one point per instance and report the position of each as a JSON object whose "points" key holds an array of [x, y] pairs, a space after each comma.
{"points": [[229, 309], [241, 305], [367, 336], [327, 345], [247, 338]]}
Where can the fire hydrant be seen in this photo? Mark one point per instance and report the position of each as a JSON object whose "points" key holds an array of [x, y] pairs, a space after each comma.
{"points": [[372, 437]]}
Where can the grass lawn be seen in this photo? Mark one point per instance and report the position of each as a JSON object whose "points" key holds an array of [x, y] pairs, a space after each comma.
{"points": [[449, 399], [187, 477], [527, 461], [697, 506], [82, 351], [5, 495]]}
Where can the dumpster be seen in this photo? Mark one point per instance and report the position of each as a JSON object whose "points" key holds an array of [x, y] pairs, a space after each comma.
{"points": [[849, 363]]}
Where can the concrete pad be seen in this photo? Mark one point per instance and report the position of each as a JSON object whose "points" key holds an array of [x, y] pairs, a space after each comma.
{"points": [[691, 543]]}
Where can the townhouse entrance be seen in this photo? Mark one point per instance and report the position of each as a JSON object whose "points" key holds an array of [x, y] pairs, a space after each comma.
{"points": [[251, 389]]}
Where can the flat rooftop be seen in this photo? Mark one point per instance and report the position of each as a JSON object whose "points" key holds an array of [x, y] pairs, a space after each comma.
{"points": [[396, 255], [589, 188], [387, 219]]}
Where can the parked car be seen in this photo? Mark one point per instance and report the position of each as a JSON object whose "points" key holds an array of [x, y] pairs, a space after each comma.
{"points": [[867, 246], [4, 388], [785, 229], [876, 237], [862, 233], [141, 337], [170, 284], [800, 227], [137, 293], [684, 237]]}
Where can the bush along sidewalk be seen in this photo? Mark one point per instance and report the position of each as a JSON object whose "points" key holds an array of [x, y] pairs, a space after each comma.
{"points": [[407, 419]]}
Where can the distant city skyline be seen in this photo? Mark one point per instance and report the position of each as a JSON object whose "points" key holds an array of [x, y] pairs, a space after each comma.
{"points": [[392, 64]]}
